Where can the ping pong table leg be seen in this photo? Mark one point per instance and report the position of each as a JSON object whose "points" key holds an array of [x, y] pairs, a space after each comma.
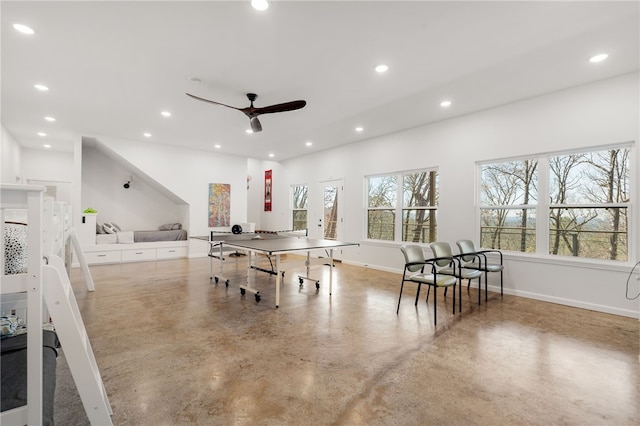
{"points": [[330, 271], [278, 280], [247, 287]]}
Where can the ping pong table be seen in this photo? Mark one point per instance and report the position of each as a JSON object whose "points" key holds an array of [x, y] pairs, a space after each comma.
{"points": [[272, 245]]}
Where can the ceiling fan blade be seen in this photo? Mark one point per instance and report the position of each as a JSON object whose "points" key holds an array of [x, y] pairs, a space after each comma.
{"points": [[287, 106], [253, 112], [211, 102], [255, 124]]}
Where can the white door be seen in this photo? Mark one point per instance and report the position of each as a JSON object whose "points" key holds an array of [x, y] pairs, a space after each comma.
{"points": [[331, 222]]}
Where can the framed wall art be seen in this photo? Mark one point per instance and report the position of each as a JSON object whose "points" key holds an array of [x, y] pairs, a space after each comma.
{"points": [[219, 204], [268, 186]]}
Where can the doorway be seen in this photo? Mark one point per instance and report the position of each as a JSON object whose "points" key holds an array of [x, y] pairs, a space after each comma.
{"points": [[331, 222]]}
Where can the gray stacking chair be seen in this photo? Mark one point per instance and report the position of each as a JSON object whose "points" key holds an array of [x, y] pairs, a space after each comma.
{"points": [[474, 259], [454, 267], [414, 271]]}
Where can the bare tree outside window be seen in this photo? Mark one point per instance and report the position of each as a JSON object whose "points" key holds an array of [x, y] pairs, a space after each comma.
{"points": [[299, 195], [405, 201], [587, 207], [330, 212], [420, 198], [382, 196], [508, 196], [589, 198]]}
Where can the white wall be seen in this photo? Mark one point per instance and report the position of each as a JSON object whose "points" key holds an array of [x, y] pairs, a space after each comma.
{"points": [[10, 170], [187, 174], [592, 115], [255, 191], [49, 168], [141, 207], [602, 113]]}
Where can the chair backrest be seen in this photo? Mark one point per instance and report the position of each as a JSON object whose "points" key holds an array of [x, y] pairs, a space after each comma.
{"points": [[466, 246], [412, 253], [442, 249]]}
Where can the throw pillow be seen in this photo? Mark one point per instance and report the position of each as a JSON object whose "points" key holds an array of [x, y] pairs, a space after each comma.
{"points": [[109, 228]]}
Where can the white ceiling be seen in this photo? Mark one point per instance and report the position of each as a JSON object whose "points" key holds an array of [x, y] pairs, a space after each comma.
{"points": [[112, 67]]}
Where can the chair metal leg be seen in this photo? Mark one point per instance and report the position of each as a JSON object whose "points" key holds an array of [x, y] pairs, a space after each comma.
{"points": [[400, 296], [486, 288], [418, 294], [428, 291], [435, 305], [454, 299]]}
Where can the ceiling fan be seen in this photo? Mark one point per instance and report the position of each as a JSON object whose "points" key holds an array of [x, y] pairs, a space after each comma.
{"points": [[253, 112]]}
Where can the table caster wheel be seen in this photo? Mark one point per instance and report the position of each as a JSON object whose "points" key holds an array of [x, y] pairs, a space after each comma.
{"points": [[257, 297], [242, 291], [226, 283], [301, 281], [317, 285], [217, 279]]}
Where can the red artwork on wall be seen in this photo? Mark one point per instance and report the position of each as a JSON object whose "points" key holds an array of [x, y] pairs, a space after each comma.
{"points": [[267, 190]]}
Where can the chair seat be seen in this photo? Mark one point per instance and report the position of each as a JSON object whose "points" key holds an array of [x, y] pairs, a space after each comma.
{"points": [[491, 267], [440, 280], [465, 274]]}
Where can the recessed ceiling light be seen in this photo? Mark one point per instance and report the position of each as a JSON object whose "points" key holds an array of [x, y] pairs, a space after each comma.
{"points": [[272, 155], [41, 87], [146, 135], [50, 119], [445, 104], [166, 114], [43, 134], [382, 68], [359, 129], [23, 29], [309, 143], [249, 131], [598, 58], [260, 4], [217, 146], [46, 145]]}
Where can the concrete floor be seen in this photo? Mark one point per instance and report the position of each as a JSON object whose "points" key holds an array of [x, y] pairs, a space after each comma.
{"points": [[176, 349]]}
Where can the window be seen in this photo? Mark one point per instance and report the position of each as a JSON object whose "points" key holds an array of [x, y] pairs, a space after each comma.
{"points": [[508, 198], [299, 207], [585, 197], [588, 204], [402, 204]]}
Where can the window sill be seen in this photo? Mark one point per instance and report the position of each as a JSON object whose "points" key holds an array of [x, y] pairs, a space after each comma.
{"points": [[598, 264]]}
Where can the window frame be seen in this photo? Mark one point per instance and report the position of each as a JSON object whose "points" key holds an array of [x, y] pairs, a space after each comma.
{"points": [[292, 205], [399, 208], [544, 206]]}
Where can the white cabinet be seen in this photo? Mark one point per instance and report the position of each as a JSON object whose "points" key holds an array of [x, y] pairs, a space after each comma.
{"points": [[138, 255], [171, 252], [94, 257], [87, 231], [138, 252]]}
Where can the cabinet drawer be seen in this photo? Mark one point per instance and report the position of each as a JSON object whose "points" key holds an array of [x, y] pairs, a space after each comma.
{"points": [[171, 252], [137, 255], [102, 257]]}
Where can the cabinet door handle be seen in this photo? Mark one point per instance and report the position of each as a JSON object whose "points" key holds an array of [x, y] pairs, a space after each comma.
{"points": [[102, 255]]}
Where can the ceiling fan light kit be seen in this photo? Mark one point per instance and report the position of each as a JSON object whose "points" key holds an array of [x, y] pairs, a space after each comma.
{"points": [[253, 112]]}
